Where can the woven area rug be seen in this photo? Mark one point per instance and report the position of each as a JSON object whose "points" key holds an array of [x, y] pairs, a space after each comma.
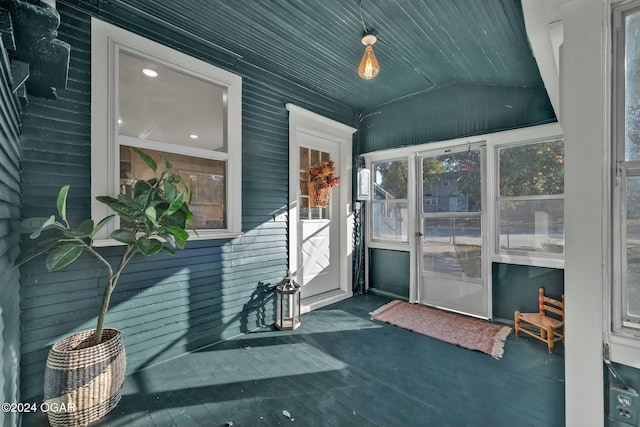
{"points": [[463, 331]]}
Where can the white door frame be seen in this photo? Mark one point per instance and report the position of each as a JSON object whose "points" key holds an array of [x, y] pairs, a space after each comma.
{"points": [[307, 122], [484, 310]]}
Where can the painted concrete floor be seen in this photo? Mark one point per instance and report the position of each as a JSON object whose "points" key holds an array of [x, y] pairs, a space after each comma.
{"points": [[342, 369]]}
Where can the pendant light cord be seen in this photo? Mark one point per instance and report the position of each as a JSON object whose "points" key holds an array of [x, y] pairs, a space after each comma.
{"points": [[364, 27]]}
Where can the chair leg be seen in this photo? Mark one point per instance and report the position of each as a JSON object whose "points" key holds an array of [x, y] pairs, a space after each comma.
{"points": [[517, 319], [550, 338]]}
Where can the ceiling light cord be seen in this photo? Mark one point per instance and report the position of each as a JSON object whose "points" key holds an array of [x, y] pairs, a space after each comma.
{"points": [[364, 27]]}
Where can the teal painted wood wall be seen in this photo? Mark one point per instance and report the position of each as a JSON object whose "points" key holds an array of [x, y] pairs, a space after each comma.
{"points": [[164, 305], [389, 272], [451, 112], [9, 241], [514, 287]]}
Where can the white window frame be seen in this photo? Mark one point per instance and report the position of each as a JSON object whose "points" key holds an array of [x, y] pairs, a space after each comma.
{"points": [[388, 243], [106, 40], [492, 140], [622, 337], [517, 256]]}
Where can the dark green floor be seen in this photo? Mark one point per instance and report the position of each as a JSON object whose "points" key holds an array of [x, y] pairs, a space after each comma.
{"points": [[342, 369]]}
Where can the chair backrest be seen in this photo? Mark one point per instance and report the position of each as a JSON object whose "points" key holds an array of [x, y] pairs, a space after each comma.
{"points": [[550, 305]]}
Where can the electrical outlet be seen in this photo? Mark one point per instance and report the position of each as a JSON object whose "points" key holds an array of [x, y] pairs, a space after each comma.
{"points": [[624, 405]]}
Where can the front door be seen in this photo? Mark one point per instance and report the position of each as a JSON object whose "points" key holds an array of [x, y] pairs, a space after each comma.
{"points": [[451, 247], [319, 227]]}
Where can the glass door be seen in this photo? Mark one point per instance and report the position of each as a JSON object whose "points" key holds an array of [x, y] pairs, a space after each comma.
{"points": [[451, 248]]}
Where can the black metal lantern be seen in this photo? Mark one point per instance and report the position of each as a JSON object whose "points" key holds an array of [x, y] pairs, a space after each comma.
{"points": [[288, 303]]}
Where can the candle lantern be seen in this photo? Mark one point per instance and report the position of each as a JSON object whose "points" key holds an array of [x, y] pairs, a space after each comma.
{"points": [[288, 304]]}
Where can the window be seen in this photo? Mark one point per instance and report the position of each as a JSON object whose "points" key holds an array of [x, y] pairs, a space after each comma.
{"points": [[169, 105], [310, 158], [626, 188], [389, 205], [530, 202]]}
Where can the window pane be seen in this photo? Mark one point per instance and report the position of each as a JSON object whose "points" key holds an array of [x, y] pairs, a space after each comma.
{"points": [[632, 87], [532, 225], [205, 178], [172, 107], [532, 169], [452, 182], [390, 220], [633, 246], [453, 246], [390, 180]]}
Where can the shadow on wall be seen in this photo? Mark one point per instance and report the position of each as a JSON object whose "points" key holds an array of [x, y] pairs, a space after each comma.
{"points": [[164, 305]]}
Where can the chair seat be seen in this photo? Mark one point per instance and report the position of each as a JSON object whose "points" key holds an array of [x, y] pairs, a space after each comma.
{"points": [[540, 320]]}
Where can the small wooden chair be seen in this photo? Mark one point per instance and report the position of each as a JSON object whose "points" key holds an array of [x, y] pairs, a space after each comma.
{"points": [[540, 325]]}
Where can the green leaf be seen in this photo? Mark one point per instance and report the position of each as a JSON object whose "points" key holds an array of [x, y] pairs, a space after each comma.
{"points": [[168, 250], [101, 224], [145, 158], [127, 201], [84, 230], [167, 164], [177, 219], [148, 246], [141, 188], [151, 213], [175, 205], [123, 235], [107, 200], [51, 221], [63, 255], [178, 233], [170, 191], [62, 203], [36, 250], [127, 212], [30, 225]]}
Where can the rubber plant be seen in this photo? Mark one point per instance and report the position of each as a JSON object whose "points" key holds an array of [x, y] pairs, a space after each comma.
{"points": [[154, 220]]}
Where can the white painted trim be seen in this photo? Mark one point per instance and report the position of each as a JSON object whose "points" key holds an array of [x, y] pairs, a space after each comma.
{"points": [[584, 82], [106, 39], [491, 139], [545, 40], [305, 121]]}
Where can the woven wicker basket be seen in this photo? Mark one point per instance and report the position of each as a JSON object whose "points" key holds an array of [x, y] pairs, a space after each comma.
{"points": [[317, 198], [82, 379]]}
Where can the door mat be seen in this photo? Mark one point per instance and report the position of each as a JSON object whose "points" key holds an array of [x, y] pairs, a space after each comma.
{"points": [[464, 331]]}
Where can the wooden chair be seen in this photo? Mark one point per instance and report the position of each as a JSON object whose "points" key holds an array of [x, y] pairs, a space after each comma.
{"points": [[540, 325]]}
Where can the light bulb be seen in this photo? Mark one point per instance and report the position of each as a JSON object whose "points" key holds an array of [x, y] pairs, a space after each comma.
{"points": [[369, 67], [149, 72]]}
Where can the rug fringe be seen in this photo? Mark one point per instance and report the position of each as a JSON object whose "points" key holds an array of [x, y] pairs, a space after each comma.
{"points": [[498, 345]]}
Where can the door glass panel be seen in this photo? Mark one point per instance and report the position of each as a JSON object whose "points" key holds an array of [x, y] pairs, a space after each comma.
{"points": [[310, 158], [452, 183], [453, 246]]}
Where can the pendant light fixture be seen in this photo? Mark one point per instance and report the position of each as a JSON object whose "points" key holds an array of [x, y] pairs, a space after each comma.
{"points": [[369, 67]]}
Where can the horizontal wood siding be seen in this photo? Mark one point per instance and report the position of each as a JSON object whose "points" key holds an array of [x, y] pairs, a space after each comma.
{"points": [[9, 241], [164, 305], [451, 112]]}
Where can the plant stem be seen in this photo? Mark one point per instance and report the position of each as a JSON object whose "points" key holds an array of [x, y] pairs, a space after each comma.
{"points": [[113, 280]]}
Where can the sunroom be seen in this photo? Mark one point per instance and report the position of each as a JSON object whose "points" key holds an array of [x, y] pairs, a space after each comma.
{"points": [[486, 152]]}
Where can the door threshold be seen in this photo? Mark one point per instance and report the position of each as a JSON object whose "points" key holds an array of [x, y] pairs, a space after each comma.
{"points": [[321, 300]]}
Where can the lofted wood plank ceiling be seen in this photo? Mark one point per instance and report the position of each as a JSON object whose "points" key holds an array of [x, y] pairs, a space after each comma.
{"points": [[422, 44]]}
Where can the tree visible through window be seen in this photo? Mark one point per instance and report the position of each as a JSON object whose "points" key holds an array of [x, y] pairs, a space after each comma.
{"points": [[531, 198]]}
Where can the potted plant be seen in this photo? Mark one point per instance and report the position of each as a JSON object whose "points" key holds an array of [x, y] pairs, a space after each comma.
{"points": [[85, 372], [321, 179]]}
